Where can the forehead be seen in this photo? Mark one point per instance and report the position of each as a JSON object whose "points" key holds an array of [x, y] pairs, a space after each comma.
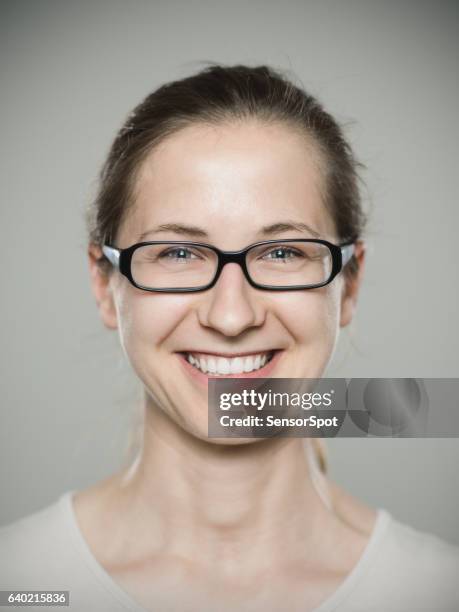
{"points": [[231, 180]]}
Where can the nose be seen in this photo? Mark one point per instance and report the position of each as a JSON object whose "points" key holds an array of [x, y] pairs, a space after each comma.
{"points": [[232, 305]]}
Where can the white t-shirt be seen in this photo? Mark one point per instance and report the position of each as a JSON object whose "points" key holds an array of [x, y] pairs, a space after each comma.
{"points": [[401, 570]]}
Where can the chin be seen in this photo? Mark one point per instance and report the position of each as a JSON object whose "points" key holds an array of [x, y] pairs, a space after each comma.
{"points": [[223, 441]]}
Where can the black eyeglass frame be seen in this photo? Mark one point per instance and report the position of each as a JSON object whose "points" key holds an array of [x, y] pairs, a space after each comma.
{"points": [[121, 259]]}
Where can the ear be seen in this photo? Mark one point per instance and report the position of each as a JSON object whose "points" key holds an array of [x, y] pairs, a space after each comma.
{"points": [[101, 289], [351, 286]]}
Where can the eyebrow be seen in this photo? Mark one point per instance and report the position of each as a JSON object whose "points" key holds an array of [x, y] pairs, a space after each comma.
{"points": [[193, 231]]}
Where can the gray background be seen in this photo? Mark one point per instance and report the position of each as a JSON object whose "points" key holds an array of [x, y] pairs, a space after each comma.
{"points": [[71, 71]]}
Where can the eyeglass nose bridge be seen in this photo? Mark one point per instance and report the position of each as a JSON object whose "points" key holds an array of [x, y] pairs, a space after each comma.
{"points": [[226, 257]]}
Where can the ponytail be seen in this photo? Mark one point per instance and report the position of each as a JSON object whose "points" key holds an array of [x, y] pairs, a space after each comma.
{"points": [[320, 451]]}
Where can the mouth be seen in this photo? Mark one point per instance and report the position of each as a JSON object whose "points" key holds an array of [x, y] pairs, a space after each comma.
{"points": [[249, 365]]}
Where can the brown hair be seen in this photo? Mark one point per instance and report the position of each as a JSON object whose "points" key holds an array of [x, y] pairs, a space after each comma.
{"points": [[215, 95]]}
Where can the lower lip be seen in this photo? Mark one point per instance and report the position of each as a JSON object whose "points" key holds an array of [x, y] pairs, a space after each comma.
{"points": [[202, 378]]}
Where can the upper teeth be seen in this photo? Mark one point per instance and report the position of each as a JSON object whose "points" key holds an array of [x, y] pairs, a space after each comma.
{"points": [[225, 365]]}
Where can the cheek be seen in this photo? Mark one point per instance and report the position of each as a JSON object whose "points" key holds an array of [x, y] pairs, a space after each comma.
{"points": [[312, 315], [145, 320], [315, 325], [332, 307], [312, 319]]}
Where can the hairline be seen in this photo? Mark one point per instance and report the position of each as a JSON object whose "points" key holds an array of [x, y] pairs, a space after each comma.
{"points": [[176, 125]]}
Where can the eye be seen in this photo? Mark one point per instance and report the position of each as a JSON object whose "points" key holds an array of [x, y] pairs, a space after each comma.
{"points": [[178, 254], [281, 253]]}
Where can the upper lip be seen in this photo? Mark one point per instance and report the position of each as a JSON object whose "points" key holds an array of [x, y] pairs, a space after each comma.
{"points": [[229, 355]]}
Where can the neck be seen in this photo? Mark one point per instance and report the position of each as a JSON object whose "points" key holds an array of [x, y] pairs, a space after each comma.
{"points": [[245, 504]]}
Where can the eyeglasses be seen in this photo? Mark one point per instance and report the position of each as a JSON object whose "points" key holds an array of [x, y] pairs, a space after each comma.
{"points": [[274, 265]]}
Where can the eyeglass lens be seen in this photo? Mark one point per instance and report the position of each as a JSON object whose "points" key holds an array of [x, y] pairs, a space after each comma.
{"points": [[176, 266]]}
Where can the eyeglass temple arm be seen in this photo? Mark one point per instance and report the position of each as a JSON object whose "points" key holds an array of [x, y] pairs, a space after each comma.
{"points": [[112, 254], [347, 251]]}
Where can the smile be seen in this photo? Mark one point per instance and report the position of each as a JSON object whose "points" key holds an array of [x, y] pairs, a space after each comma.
{"points": [[222, 366], [248, 365]]}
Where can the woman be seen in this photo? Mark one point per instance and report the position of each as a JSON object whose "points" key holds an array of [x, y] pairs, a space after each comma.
{"points": [[229, 158]]}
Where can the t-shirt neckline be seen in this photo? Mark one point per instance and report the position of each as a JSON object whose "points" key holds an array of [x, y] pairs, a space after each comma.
{"points": [[383, 518]]}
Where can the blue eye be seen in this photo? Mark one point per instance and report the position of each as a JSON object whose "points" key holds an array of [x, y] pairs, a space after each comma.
{"points": [[177, 253], [283, 253]]}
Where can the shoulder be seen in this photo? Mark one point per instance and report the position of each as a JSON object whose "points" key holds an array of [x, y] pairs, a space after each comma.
{"points": [[413, 569], [44, 552], [429, 554], [31, 548], [413, 547], [403, 568]]}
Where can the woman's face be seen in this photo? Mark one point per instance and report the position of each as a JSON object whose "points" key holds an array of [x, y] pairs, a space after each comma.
{"points": [[230, 186]]}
